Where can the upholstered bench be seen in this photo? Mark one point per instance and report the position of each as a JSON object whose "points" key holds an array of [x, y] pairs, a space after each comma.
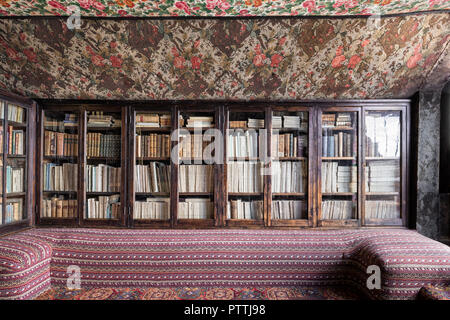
{"points": [[145, 258]]}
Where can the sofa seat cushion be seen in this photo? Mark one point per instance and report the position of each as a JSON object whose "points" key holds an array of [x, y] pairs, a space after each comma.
{"points": [[407, 261], [24, 265]]}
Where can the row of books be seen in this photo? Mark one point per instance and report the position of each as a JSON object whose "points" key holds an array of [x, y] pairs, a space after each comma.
{"points": [[249, 123], [238, 209], [289, 145], [386, 209], [200, 122], [196, 178], [338, 145], [336, 178], [339, 120], [293, 122], [337, 210], [103, 145], [244, 176], [103, 207], [103, 178], [16, 141], [152, 208], [60, 144], [14, 179], [154, 177], [289, 209], [58, 207], [99, 119], [152, 120], [289, 177], [54, 124], [383, 176], [153, 145], [196, 208], [15, 113], [13, 210], [243, 143], [60, 177], [192, 146]]}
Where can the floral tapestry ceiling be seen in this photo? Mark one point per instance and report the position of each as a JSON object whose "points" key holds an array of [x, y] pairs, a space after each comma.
{"points": [[211, 8], [224, 59]]}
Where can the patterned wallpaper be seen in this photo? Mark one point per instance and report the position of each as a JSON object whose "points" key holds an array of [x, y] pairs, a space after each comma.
{"points": [[211, 8], [224, 59]]}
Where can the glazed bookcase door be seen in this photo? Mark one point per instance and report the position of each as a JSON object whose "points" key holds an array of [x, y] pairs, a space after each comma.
{"points": [[246, 158], [291, 203], [151, 167], [339, 166], [384, 166], [59, 171], [197, 170], [104, 166], [14, 164]]}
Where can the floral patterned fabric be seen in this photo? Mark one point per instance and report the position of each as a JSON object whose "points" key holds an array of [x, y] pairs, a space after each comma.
{"points": [[223, 59], [211, 8]]}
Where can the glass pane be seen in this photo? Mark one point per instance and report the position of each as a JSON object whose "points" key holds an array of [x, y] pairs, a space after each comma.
{"points": [[245, 136], [196, 165], [152, 169], [103, 170], [60, 167], [289, 165], [339, 165], [16, 164], [382, 171]]}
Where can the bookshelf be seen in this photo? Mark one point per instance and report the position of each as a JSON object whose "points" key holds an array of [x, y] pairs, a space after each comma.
{"points": [[382, 167], [290, 203], [339, 166], [246, 159], [16, 119], [170, 176]]}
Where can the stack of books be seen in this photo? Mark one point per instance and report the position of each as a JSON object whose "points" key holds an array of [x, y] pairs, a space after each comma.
{"points": [[154, 177], [58, 207], [344, 120], [289, 145], [338, 145], [196, 178], [103, 145], [336, 178], [244, 177], [70, 121], [200, 122], [60, 177], [238, 209], [382, 209], [337, 210], [103, 178], [147, 120], [289, 209], [196, 208], [60, 144], [238, 124], [152, 208], [103, 207], [153, 145], [276, 122], [98, 119], [14, 179], [243, 143], [328, 120], [383, 176], [289, 177], [292, 122], [255, 123]]}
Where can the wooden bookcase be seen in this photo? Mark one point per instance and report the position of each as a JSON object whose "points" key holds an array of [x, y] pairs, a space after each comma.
{"points": [[373, 137], [17, 143]]}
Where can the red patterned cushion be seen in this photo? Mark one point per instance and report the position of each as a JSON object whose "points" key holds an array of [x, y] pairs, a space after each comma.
{"points": [[434, 292]]}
